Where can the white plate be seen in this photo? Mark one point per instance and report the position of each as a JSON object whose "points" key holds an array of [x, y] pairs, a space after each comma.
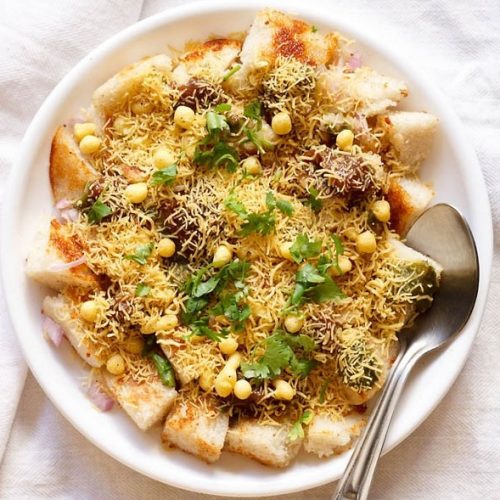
{"points": [[453, 169]]}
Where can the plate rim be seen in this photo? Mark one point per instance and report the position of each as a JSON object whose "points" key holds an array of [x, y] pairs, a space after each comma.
{"points": [[20, 169]]}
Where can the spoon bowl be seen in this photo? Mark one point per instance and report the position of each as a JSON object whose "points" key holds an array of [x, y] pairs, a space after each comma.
{"points": [[442, 234]]}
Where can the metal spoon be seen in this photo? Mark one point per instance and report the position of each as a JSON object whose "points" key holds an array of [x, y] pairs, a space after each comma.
{"points": [[443, 234]]}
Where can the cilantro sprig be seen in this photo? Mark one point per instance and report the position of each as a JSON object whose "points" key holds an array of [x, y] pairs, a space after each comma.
{"points": [[216, 123], [312, 284], [201, 328], [98, 211], [253, 131], [258, 140], [231, 306], [303, 248], [164, 176], [219, 155], [322, 390], [312, 281], [254, 222], [253, 110], [215, 290], [141, 254], [214, 150], [297, 430], [281, 204], [142, 290], [281, 353], [313, 201]]}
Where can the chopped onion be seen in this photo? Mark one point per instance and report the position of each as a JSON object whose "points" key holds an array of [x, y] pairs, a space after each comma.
{"points": [[354, 61], [66, 210], [69, 214], [64, 203], [53, 330], [360, 124], [99, 397], [63, 266]]}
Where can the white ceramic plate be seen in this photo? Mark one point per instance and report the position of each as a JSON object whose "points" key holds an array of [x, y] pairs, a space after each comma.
{"points": [[453, 169]]}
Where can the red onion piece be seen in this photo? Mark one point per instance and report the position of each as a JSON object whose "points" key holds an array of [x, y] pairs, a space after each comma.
{"points": [[69, 214], [64, 203], [354, 61], [99, 397], [66, 210], [53, 330], [63, 266], [360, 124]]}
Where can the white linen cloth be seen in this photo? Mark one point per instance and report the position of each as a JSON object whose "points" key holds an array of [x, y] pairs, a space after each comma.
{"points": [[455, 454]]}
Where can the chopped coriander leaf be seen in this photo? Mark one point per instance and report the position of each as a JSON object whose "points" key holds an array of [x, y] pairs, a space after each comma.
{"points": [[261, 223], [142, 252], [231, 72], [205, 287], [260, 143], [200, 327], [142, 290], [303, 248], [216, 123], [324, 263], [195, 287], [258, 223], [298, 294], [313, 284], [314, 29], [164, 176], [222, 107], [201, 292], [329, 290], [259, 370], [221, 155], [307, 417], [232, 203], [302, 367], [230, 306], [253, 110], [301, 341], [284, 206], [235, 271], [322, 391], [270, 200], [297, 430], [164, 369], [272, 362], [98, 211], [339, 248], [308, 274], [313, 201], [192, 308], [194, 281], [280, 354]]}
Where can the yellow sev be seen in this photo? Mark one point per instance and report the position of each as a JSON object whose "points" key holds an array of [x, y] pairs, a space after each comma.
{"points": [[372, 307]]}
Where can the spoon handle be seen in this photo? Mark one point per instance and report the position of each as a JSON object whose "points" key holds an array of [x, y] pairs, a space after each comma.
{"points": [[357, 478]]}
